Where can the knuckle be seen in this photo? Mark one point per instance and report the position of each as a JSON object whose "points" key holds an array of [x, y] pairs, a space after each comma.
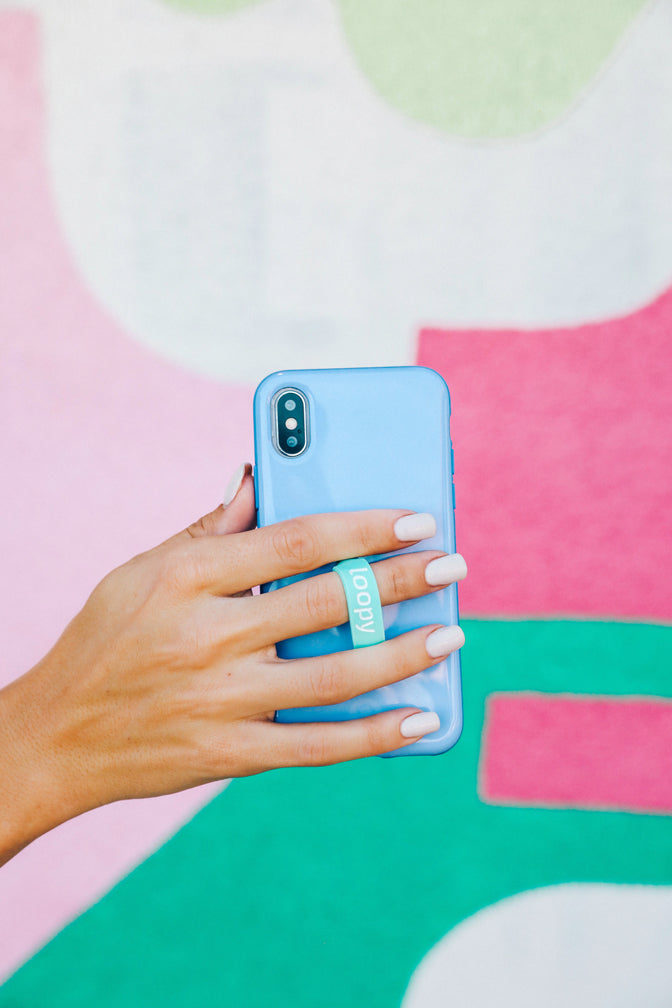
{"points": [[215, 756], [319, 601], [312, 751], [128, 587], [235, 632], [399, 581], [195, 562], [295, 542], [191, 565], [207, 525], [399, 666], [175, 569], [375, 738], [326, 682], [198, 528], [364, 538]]}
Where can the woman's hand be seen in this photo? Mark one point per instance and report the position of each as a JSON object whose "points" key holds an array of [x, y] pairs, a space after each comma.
{"points": [[169, 676]]}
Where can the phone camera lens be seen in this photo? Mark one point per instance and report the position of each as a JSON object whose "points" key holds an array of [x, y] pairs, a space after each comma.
{"points": [[291, 423]]}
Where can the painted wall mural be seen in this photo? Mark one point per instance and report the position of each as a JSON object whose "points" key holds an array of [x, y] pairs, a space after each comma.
{"points": [[196, 192]]}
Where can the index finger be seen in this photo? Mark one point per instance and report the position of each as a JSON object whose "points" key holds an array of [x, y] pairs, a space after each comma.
{"points": [[239, 561]]}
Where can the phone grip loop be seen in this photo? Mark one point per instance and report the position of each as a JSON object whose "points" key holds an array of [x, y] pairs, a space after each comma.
{"points": [[364, 609]]}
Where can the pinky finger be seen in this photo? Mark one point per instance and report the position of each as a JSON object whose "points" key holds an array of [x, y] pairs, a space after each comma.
{"points": [[321, 744]]}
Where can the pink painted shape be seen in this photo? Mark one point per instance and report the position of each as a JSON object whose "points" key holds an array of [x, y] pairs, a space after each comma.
{"points": [[106, 450], [578, 752], [563, 448]]}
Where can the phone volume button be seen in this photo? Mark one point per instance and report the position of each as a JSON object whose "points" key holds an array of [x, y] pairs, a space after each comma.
{"points": [[453, 487]]}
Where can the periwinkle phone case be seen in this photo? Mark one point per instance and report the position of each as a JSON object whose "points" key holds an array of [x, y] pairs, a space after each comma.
{"points": [[378, 438]]}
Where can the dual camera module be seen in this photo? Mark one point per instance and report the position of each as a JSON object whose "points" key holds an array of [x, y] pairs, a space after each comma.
{"points": [[290, 422]]}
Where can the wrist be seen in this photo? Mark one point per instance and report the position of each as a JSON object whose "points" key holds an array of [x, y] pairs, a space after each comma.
{"points": [[34, 796]]}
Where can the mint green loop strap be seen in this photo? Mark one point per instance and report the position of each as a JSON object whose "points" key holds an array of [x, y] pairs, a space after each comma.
{"points": [[364, 608]]}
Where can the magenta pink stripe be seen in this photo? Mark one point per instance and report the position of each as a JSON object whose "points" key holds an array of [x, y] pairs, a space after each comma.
{"points": [[563, 464], [578, 752]]}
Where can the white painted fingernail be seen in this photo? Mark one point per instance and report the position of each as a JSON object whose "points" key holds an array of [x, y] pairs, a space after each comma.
{"points": [[446, 569], [235, 484], [443, 641], [415, 526], [419, 724]]}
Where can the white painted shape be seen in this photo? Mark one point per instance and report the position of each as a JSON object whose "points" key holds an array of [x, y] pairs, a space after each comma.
{"points": [[566, 946], [239, 197]]}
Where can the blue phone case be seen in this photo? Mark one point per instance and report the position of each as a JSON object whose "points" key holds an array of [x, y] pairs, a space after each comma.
{"points": [[378, 438]]}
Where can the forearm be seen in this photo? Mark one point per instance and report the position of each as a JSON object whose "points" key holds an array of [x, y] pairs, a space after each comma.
{"points": [[33, 790]]}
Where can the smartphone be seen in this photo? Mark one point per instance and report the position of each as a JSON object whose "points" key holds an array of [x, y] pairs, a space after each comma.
{"points": [[349, 439]]}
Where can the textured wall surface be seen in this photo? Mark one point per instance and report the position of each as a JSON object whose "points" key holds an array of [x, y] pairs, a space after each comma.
{"points": [[194, 193]]}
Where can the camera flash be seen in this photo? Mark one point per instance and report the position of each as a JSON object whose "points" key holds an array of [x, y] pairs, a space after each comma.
{"points": [[291, 423]]}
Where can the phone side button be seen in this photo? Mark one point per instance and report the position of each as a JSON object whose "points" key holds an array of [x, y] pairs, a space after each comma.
{"points": [[453, 486]]}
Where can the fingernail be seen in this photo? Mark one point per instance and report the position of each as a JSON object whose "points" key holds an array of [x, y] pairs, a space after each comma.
{"points": [[235, 484], [444, 640], [419, 724], [415, 526], [446, 569]]}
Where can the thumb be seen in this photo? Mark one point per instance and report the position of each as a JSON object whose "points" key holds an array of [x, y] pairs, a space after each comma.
{"points": [[236, 513]]}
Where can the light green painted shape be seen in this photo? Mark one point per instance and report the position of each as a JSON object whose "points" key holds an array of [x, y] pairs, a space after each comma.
{"points": [[494, 68], [491, 68], [211, 6], [324, 888]]}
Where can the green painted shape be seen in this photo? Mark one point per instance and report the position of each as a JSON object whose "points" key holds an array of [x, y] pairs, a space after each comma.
{"points": [[211, 6], [326, 887], [489, 69]]}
